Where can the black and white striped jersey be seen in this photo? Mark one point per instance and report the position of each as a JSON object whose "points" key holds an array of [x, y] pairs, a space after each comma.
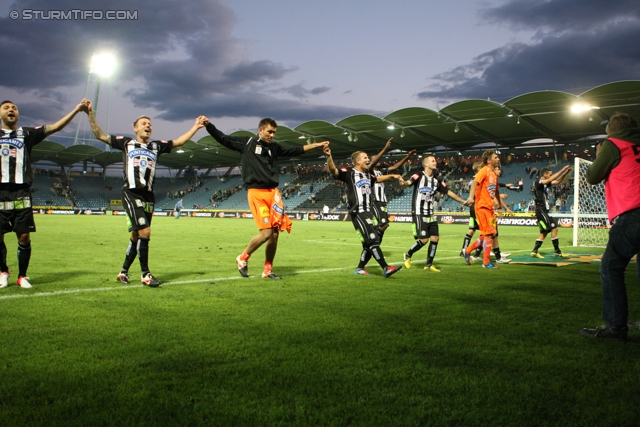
{"points": [[541, 192], [15, 154], [424, 189], [358, 189], [140, 160], [378, 187]]}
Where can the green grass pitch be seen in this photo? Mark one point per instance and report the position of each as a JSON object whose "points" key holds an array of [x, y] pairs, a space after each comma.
{"points": [[322, 347]]}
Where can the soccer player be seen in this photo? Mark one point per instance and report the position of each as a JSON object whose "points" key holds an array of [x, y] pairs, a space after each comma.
{"points": [[379, 205], [358, 182], [260, 173], [16, 177], [484, 193], [140, 156], [501, 257], [547, 223], [425, 227]]}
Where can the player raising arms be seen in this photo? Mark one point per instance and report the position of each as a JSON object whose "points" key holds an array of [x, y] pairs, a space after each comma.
{"points": [[547, 223], [484, 193], [16, 178], [358, 181], [425, 227], [379, 205], [260, 174], [139, 157]]}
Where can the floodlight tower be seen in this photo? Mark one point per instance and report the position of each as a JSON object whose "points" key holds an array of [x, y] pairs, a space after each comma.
{"points": [[101, 67]]}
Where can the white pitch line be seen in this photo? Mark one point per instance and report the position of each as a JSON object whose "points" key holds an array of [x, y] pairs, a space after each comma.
{"points": [[184, 282], [125, 287]]}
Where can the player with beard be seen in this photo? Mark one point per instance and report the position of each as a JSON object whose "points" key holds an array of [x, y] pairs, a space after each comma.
{"points": [[16, 177]]}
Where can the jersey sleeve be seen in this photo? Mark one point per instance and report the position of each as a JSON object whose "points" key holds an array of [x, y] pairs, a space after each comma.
{"points": [[164, 146], [34, 136], [442, 187], [118, 142], [288, 151], [343, 175], [480, 176], [415, 178]]}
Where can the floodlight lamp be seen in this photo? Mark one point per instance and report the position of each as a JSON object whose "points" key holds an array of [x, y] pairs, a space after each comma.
{"points": [[349, 137], [402, 133], [391, 127], [355, 137], [180, 151], [102, 64], [579, 108], [457, 129]]}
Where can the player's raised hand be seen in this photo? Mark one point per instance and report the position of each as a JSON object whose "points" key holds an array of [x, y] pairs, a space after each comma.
{"points": [[201, 122], [326, 150]]}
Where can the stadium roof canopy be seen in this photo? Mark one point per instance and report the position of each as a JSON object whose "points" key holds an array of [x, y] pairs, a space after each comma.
{"points": [[548, 115]]}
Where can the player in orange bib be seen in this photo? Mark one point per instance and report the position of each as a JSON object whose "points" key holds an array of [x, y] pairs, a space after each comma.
{"points": [[483, 193]]}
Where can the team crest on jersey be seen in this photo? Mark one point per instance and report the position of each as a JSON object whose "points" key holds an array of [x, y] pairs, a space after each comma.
{"points": [[142, 221]]}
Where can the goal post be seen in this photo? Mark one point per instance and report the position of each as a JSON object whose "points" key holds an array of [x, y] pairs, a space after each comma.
{"points": [[590, 221]]}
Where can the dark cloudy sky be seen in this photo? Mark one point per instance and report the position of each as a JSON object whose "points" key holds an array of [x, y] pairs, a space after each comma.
{"points": [[299, 60]]}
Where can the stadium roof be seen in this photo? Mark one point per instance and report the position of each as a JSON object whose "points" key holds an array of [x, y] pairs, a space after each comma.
{"points": [[550, 115]]}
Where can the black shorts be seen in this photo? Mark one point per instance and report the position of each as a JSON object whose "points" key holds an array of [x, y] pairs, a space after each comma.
{"points": [[364, 225], [473, 223], [546, 223], [139, 207], [380, 212], [16, 213], [424, 227]]}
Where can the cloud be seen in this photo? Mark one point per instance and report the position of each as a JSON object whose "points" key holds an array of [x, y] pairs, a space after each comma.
{"points": [[243, 104], [300, 92], [579, 45], [172, 57], [560, 15]]}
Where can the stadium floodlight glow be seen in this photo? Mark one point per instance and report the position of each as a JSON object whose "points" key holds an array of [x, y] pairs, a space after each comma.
{"points": [[456, 129], [579, 108], [102, 64], [402, 133], [391, 127]]}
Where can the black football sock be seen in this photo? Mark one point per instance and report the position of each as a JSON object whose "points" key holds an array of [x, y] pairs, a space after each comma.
{"points": [[132, 252], [556, 245], [365, 256], [143, 254], [415, 248], [24, 255], [497, 253], [377, 254], [537, 245], [467, 240], [3, 257], [433, 247]]}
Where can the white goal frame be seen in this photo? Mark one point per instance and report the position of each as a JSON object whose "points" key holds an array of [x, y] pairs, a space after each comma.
{"points": [[590, 221]]}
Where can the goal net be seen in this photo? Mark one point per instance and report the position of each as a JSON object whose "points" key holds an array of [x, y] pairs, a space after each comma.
{"points": [[590, 222]]}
